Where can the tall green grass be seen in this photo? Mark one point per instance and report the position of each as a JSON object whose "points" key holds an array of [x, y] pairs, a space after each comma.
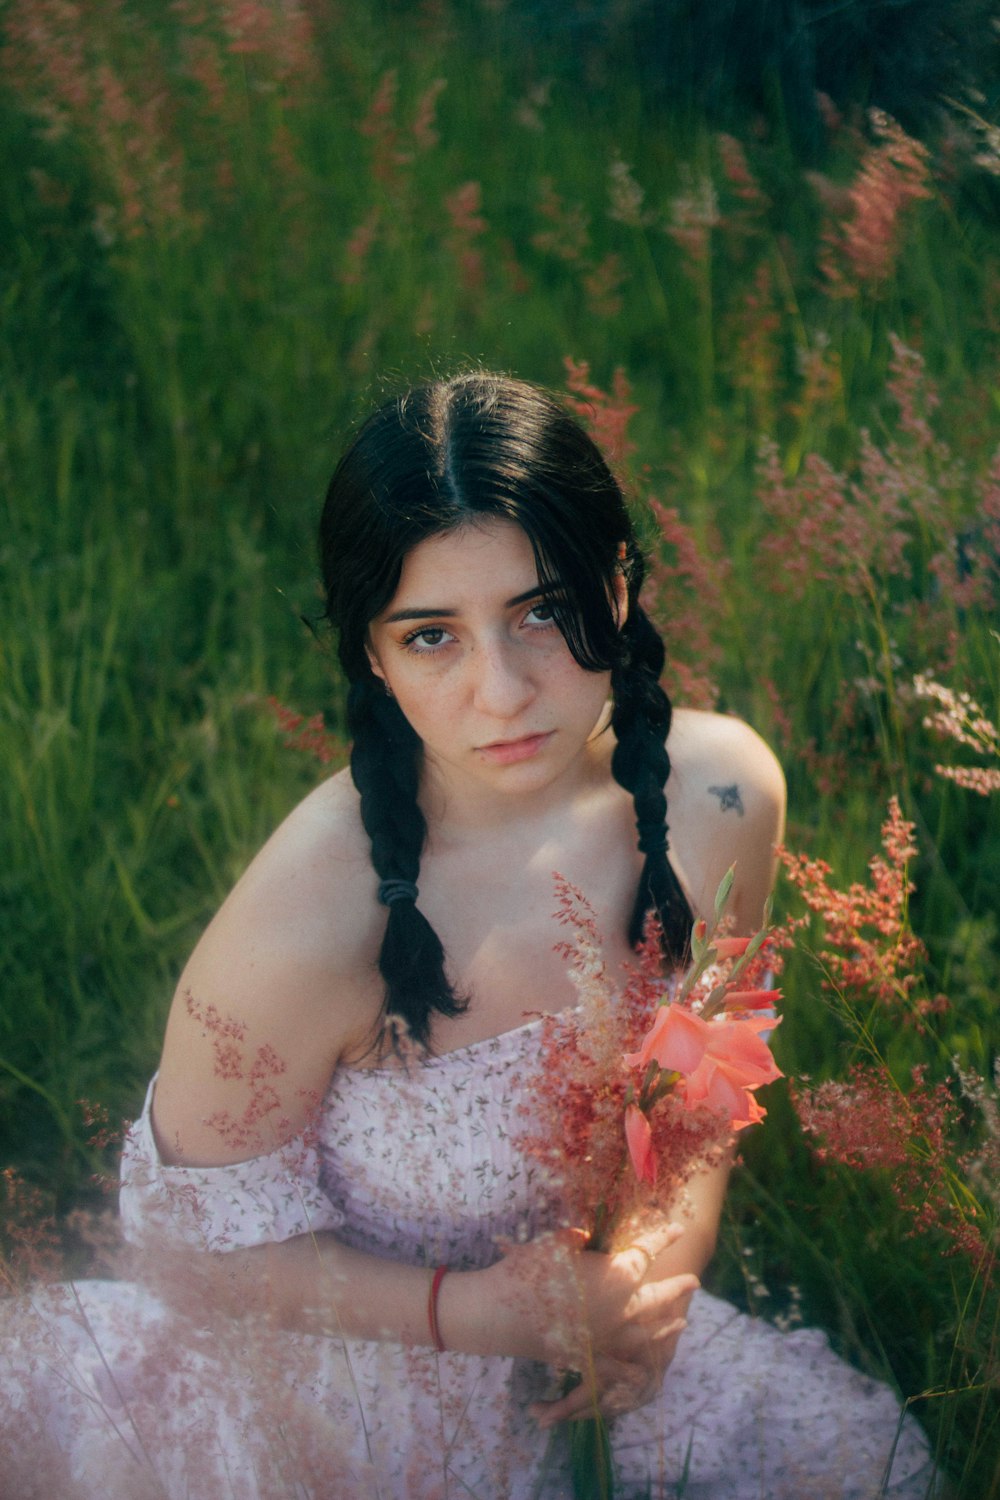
{"points": [[217, 252]]}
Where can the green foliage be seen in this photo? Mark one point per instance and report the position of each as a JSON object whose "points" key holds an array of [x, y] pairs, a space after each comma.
{"points": [[218, 248], [774, 57]]}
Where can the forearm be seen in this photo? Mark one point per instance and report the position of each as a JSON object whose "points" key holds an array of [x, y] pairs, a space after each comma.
{"points": [[545, 1300], [317, 1285], [698, 1209]]}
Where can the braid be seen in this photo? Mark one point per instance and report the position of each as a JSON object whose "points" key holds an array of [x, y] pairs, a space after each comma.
{"points": [[640, 763], [385, 764]]}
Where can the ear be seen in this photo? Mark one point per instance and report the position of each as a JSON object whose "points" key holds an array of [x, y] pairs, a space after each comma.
{"points": [[374, 663]]}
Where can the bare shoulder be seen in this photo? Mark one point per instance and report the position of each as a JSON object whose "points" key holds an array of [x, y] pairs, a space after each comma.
{"points": [[726, 796], [311, 884], [280, 985], [703, 743]]}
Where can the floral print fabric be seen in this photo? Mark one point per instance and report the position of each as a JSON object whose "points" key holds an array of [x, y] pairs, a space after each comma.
{"points": [[421, 1165]]}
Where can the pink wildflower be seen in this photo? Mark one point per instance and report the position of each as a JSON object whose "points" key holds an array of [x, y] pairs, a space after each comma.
{"points": [[694, 213], [29, 1246], [982, 779], [379, 125], [960, 718], [424, 128], [861, 249], [869, 1122], [463, 207], [738, 174], [757, 354], [358, 247], [308, 735], [606, 414], [568, 236], [279, 36], [626, 196], [602, 287], [868, 949], [685, 594]]}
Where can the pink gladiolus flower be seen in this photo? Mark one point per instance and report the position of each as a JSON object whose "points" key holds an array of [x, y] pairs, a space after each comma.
{"points": [[721, 1061], [756, 1113], [639, 1140], [752, 999], [730, 947]]}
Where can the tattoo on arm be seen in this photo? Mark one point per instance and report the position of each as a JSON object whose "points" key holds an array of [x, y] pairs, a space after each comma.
{"points": [[729, 798]]}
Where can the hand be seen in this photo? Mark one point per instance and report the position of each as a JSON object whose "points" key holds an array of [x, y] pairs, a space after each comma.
{"points": [[629, 1373], [608, 1316]]}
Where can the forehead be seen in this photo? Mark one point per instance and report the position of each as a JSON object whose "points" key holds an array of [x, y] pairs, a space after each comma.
{"points": [[477, 558]]}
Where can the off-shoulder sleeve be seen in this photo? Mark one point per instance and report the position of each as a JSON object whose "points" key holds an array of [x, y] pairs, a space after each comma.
{"points": [[263, 1200]]}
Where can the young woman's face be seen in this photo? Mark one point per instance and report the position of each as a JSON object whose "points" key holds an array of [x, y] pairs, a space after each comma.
{"points": [[469, 649]]}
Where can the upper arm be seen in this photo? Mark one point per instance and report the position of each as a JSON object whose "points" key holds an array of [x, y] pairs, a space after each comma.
{"points": [[281, 983], [726, 807]]}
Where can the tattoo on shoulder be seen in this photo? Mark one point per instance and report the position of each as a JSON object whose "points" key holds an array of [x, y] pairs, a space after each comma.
{"points": [[729, 798]]}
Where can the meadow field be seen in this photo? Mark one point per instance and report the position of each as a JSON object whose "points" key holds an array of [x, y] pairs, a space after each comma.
{"points": [[229, 229]]}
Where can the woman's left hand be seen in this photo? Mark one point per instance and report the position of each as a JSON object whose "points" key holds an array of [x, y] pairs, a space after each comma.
{"points": [[630, 1376]]}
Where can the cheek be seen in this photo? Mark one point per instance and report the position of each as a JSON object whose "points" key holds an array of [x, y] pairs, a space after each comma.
{"points": [[425, 696], [584, 692]]}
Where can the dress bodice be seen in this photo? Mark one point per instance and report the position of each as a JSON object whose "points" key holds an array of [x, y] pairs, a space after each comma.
{"points": [[425, 1161], [419, 1162]]}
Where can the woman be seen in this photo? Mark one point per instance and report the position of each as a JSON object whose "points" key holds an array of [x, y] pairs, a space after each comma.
{"points": [[507, 722]]}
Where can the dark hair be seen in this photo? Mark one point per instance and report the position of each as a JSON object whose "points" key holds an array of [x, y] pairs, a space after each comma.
{"points": [[468, 449]]}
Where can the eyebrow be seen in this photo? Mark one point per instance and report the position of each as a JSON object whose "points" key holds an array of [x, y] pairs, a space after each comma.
{"points": [[540, 590]]}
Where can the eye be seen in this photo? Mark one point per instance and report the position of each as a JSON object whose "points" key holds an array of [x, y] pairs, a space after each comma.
{"points": [[542, 613], [426, 639]]}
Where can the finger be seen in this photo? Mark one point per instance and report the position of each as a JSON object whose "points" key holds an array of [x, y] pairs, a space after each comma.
{"points": [[589, 1396], [650, 1242], [628, 1395], [633, 1388], [658, 1299], [670, 1330], [579, 1402], [642, 1347]]}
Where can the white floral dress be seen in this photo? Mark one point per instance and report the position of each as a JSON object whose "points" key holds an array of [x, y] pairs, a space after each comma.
{"points": [[110, 1392]]}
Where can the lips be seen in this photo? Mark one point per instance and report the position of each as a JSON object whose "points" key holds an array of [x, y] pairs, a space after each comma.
{"points": [[509, 752]]}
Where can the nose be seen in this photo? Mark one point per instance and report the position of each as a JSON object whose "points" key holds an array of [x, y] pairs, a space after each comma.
{"points": [[502, 683]]}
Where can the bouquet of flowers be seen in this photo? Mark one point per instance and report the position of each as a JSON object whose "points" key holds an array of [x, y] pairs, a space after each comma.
{"points": [[642, 1088]]}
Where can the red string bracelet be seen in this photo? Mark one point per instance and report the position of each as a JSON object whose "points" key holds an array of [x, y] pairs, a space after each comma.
{"points": [[432, 1308]]}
